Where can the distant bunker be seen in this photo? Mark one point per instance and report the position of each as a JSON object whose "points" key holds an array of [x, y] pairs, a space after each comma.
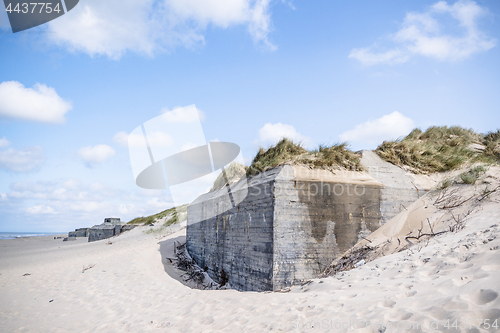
{"points": [[292, 224]]}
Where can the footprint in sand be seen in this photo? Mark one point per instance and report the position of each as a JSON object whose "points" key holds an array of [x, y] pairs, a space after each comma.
{"points": [[438, 313], [490, 268], [387, 303], [462, 280], [483, 296], [398, 315], [491, 315], [207, 321]]}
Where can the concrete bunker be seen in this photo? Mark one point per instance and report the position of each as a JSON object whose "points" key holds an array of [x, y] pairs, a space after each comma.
{"points": [[293, 222]]}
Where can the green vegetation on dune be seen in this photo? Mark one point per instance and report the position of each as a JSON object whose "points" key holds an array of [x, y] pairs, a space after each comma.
{"points": [[440, 149], [153, 218], [472, 175], [234, 172], [288, 152], [492, 143]]}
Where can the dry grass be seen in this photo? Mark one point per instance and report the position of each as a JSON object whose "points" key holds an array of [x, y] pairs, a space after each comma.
{"points": [[492, 143], [440, 149], [152, 219], [231, 174], [288, 152]]}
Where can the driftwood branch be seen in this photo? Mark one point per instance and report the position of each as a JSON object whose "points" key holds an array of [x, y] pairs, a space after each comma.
{"points": [[87, 268]]}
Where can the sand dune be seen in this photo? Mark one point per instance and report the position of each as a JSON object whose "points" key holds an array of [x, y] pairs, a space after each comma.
{"points": [[130, 286]]}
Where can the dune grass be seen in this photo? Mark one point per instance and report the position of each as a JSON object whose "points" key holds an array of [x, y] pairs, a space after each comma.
{"points": [[472, 175], [440, 149], [153, 218], [492, 142], [234, 172], [288, 152]]}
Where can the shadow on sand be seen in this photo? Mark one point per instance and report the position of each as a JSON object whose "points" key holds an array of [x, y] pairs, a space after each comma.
{"points": [[167, 252]]}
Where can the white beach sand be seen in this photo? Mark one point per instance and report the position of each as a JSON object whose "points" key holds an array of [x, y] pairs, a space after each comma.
{"points": [[132, 287]]}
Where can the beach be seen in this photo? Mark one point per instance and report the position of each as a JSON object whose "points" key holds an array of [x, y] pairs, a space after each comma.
{"points": [[127, 284]]}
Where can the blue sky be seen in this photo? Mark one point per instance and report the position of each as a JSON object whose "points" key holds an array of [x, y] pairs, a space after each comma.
{"points": [[316, 71]]}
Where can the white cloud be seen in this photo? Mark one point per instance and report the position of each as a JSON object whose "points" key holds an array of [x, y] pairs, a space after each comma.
{"points": [[183, 114], [122, 138], [25, 160], [156, 204], [41, 209], [156, 139], [388, 127], [425, 34], [113, 27], [95, 155], [82, 204], [4, 142], [40, 103], [271, 133], [72, 184], [126, 208], [367, 57]]}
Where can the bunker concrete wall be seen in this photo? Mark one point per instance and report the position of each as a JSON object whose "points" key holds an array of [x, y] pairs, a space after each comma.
{"points": [[284, 232], [236, 245], [315, 222], [290, 227]]}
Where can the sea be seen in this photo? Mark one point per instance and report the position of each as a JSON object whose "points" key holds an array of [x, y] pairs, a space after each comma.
{"points": [[14, 235]]}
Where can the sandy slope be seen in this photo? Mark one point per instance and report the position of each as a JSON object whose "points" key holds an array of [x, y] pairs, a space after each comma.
{"points": [[133, 288]]}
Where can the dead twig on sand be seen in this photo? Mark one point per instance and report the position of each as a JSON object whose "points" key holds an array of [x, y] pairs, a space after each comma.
{"points": [[459, 220], [87, 268], [430, 226], [487, 193], [425, 234], [449, 199], [366, 239], [348, 261], [185, 263]]}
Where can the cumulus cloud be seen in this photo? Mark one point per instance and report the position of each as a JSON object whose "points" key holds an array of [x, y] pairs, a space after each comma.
{"points": [[122, 138], [95, 155], [4, 142], [24, 160], [432, 34], [82, 204], [41, 209], [62, 190], [372, 132], [183, 114], [271, 133], [156, 139], [113, 27], [40, 103]]}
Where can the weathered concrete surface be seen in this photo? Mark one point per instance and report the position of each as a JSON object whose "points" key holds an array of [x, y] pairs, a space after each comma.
{"points": [[287, 230], [107, 229], [400, 189], [311, 228], [101, 232], [81, 232], [235, 246], [294, 222]]}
